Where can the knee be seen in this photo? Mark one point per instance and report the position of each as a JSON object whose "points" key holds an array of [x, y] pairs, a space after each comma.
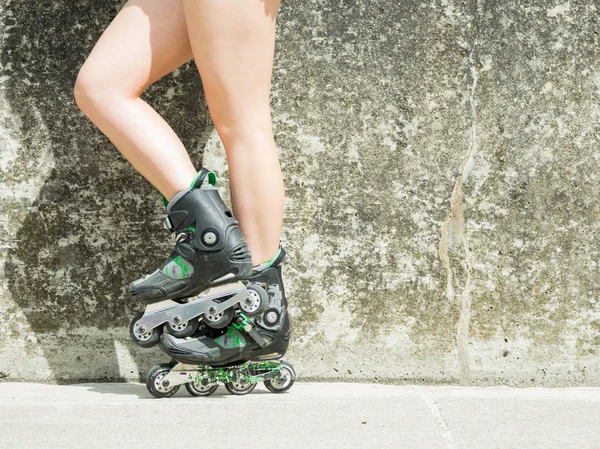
{"points": [[243, 131], [86, 89], [94, 88]]}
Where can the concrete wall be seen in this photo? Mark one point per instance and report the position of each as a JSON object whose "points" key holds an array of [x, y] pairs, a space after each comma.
{"points": [[441, 160]]}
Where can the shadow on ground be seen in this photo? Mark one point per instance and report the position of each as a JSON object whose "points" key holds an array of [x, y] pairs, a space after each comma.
{"points": [[140, 391]]}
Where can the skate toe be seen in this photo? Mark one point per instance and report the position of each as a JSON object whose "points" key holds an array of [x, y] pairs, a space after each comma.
{"points": [[184, 350]]}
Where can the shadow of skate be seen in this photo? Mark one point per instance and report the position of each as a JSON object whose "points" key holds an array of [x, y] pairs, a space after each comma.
{"points": [[95, 224], [140, 391], [127, 389]]}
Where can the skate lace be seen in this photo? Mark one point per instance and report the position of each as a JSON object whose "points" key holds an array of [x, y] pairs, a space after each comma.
{"points": [[181, 237]]}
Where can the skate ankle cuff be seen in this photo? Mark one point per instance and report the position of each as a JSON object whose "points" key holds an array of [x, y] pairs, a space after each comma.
{"points": [[277, 259], [201, 176], [196, 183]]}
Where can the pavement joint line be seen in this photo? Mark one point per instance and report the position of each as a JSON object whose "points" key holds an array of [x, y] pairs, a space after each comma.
{"points": [[438, 418]]}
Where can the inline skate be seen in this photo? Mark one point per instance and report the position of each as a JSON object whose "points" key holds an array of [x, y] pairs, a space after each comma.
{"points": [[246, 352], [202, 279]]}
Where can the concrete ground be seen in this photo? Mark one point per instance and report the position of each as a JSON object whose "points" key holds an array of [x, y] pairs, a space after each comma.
{"points": [[311, 415]]}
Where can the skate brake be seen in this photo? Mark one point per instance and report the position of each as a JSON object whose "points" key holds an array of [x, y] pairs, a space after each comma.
{"points": [[242, 323]]}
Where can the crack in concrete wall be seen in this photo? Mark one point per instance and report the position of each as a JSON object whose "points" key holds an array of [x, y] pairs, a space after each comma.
{"points": [[455, 224]]}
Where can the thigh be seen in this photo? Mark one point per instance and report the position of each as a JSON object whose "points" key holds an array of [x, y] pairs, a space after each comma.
{"points": [[146, 40], [233, 44]]}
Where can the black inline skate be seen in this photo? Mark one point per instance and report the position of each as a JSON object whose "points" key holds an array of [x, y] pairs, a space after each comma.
{"points": [[244, 353], [201, 281]]}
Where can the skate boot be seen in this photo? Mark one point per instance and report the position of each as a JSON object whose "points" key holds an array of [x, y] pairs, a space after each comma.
{"points": [[241, 355], [202, 278]]}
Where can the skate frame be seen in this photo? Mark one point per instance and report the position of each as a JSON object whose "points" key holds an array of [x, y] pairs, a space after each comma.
{"points": [[183, 373], [173, 312]]}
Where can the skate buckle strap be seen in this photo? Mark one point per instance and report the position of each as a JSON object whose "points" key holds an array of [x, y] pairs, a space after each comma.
{"points": [[168, 224], [242, 323]]}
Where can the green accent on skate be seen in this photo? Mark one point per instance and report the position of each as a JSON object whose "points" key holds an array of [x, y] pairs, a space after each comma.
{"points": [[250, 372], [190, 228], [264, 266], [235, 340], [244, 322], [212, 179], [178, 268], [180, 263], [165, 202]]}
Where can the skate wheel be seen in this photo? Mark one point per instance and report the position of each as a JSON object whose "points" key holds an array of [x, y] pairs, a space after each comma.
{"points": [[283, 382], [240, 388], [143, 339], [257, 300], [219, 320], [156, 384], [183, 330], [197, 389]]}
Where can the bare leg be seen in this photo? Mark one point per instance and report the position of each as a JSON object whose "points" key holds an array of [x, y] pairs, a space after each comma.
{"points": [[145, 41], [233, 45]]}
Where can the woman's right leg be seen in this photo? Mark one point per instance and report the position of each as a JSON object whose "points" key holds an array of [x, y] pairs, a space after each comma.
{"points": [[146, 40]]}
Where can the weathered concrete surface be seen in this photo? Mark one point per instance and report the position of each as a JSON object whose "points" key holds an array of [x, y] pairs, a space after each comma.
{"points": [[310, 415], [441, 165]]}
